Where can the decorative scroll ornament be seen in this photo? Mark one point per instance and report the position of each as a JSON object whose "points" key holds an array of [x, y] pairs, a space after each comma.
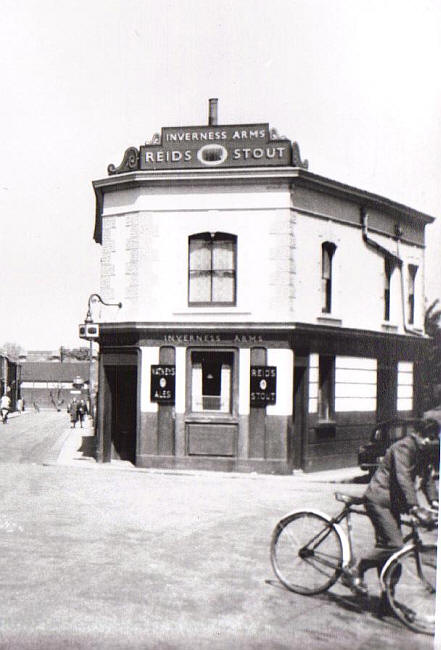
{"points": [[129, 163], [296, 159], [156, 139], [274, 135]]}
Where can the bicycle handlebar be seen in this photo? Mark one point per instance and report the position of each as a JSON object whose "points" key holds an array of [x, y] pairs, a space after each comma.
{"points": [[414, 522]]}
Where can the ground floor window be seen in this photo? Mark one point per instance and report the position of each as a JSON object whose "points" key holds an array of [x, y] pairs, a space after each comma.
{"points": [[211, 381], [326, 392]]}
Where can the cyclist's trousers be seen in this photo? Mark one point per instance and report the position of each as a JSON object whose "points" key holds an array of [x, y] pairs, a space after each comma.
{"points": [[388, 537]]}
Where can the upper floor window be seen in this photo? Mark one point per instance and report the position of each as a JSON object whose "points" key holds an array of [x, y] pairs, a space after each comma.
{"points": [[412, 270], [328, 250], [388, 270], [212, 269]]}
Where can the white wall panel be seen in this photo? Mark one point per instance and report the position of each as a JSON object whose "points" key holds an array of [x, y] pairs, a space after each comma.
{"points": [[404, 404], [244, 381], [313, 383], [181, 360], [405, 386], [356, 363], [355, 384], [346, 404], [284, 361], [149, 357]]}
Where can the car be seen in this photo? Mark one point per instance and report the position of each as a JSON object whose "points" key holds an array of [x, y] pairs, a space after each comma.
{"points": [[384, 434]]}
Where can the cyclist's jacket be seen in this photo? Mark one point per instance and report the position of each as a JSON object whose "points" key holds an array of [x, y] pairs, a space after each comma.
{"points": [[393, 484]]}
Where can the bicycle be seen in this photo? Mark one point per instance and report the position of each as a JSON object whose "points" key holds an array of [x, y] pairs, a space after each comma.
{"points": [[310, 549]]}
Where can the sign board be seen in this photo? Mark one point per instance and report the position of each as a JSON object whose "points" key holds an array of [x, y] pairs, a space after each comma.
{"points": [[263, 385], [192, 147], [162, 384]]}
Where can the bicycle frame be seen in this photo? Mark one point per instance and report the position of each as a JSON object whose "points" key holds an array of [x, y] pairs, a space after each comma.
{"points": [[346, 513], [335, 523], [415, 543]]}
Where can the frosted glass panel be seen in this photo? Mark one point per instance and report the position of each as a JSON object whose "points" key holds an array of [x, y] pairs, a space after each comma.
{"points": [[199, 287], [223, 287], [223, 255], [200, 255]]}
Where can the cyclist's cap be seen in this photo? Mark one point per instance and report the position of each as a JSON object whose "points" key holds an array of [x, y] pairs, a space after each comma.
{"points": [[431, 428]]}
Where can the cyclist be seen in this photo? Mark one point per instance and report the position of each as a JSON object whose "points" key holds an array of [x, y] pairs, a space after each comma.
{"points": [[392, 491]]}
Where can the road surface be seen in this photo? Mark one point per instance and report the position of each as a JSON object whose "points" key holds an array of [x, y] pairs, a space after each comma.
{"points": [[33, 437], [101, 557]]}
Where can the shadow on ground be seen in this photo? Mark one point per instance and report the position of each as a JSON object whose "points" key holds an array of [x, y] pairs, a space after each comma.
{"points": [[88, 447]]}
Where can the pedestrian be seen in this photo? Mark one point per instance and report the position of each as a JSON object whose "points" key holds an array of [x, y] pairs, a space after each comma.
{"points": [[72, 409], [82, 411], [391, 492], [5, 405]]}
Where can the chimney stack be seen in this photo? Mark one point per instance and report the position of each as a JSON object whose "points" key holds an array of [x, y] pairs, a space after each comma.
{"points": [[212, 112]]}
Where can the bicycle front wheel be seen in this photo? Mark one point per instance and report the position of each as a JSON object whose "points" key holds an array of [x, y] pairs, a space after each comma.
{"points": [[410, 583], [306, 553]]}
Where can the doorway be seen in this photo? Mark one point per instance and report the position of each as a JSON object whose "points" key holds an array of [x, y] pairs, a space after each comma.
{"points": [[120, 412]]}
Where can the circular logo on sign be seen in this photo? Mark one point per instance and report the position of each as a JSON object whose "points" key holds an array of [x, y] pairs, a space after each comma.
{"points": [[163, 382], [212, 154], [262, 384]]}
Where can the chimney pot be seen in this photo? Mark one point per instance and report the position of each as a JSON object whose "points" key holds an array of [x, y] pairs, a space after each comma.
{"points": [[212, 111]]}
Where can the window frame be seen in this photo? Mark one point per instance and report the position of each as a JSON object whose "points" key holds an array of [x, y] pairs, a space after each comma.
{"points": [[389, 268], [328, 249], [212, 238], [412, 271], [212, 415]]}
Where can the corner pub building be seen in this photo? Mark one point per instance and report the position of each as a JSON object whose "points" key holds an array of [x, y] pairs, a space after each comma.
{"points": [[270, 316]]}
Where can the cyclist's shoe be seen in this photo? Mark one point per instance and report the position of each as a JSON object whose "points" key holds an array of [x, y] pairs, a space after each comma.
{"points": [[384, 609], [350, 578]]}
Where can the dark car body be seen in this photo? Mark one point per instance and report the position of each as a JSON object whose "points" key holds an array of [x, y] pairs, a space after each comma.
{"points": [[385, 434]]}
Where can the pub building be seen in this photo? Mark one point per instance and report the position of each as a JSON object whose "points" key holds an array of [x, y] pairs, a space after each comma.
{"points": [[269, 316]]}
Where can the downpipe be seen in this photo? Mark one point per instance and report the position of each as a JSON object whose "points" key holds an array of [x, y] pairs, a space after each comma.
{"points": [[395, 258]]}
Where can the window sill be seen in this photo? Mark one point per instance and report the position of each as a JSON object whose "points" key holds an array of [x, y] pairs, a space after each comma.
{"points": [[325, 429], [389, 327], [328, 319], [324, 424], [192, 311], [210, 419]]}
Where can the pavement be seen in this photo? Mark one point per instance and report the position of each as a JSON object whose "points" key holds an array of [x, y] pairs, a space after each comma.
{"points": [[78, 450]]}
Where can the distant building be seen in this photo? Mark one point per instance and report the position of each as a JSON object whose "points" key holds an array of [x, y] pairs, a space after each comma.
{"points": [[62, 354], [269, 315], [50, 385], [40, 355]]}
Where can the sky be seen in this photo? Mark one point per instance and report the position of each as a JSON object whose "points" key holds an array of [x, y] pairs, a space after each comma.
{"points": [[355, 82]]}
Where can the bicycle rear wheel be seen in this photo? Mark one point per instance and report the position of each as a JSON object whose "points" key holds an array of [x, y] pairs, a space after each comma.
{"points": [[410, 583], [306, 553]]}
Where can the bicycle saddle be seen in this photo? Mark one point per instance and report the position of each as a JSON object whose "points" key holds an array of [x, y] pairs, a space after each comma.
{"points": [[349, 499]]}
